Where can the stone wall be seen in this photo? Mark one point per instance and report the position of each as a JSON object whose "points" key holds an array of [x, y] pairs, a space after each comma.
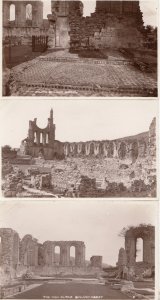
{"points": [[127, 148], [9, 254], [20, 13], [41, 142], [28, 254], [147, 233], [114, 24], [64, 259], [96, 261], [29, 251]]}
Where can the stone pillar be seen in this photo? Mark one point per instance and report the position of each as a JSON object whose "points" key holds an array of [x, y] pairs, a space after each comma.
{"points": [[38, 13], [22, 14], [79, 256], [38, 138], [130, 247], [9, 247], [44, 138], [64, 255], [6, 13]]}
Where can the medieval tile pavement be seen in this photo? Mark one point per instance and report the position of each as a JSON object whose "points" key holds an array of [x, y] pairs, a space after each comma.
{"points": [[61, 73]]}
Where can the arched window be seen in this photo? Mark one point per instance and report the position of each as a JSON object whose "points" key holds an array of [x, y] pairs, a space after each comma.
{"points": [[72, 255], [12, 13], [41, 138], [29, 14], [139, 250], [47, 139], [57, 255]]}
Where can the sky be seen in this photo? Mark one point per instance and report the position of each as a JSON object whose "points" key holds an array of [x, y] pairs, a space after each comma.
{"points": [[148, 7], [97, 222], [76, 120]]}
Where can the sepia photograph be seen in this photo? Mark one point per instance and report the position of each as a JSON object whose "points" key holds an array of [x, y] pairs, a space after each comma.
{"points": [[80, 48], [103, 250], [79, 149]]}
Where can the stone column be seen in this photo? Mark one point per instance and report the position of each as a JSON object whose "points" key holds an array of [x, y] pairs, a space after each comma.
{"points": [[44, 138], [130, 247], [79, 256], [38, 138], [22, 14], [64, 255]]}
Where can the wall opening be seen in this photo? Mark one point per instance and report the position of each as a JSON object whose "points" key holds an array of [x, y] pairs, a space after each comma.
{"points": [[57, 255], [72, 255], [139, 250], [12, 13], [47, 139], [29, 15], [41, 138], [88, 7]]}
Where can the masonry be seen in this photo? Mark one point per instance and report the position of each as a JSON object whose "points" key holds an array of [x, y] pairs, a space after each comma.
{"points": [[114, 24], [21, 254], [128, 255], [42, 143]]}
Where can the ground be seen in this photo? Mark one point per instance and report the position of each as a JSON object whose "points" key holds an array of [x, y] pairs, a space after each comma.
{"points": [[62, 73], [50, 290], [113, 177]]}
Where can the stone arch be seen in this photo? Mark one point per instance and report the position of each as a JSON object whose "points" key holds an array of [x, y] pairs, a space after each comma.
{"points": [[139, 249], [29, 11], [57, 252], [134, 151], [122, 150], [12, 12], [72, 255]]}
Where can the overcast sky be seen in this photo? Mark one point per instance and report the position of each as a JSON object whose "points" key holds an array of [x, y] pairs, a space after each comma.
{"points": [[148, 7], [76, 120], [95, 222]]}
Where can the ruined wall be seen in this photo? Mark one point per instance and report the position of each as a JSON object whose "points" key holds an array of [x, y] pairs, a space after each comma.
{"points": [[43, 259], [9, 254], [96, 261], [127, 148], [20, 31], [41, 142], [152, 139], [147, 233], [29, 251], [115, 24], [20, 13], [49, 254]]}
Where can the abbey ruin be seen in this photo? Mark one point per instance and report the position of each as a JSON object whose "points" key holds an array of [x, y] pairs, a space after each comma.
{"points": [[19, 255], [45, 166], [42, 143], [128, 265], [24, 260], [114, 23]]}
